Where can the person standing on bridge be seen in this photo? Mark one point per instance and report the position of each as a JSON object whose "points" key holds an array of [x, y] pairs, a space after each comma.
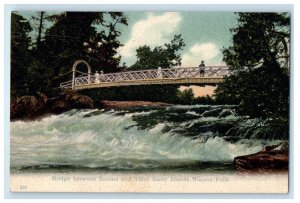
{"points": [[202, 68], [97, 77], [101, 76], [159, 73]]}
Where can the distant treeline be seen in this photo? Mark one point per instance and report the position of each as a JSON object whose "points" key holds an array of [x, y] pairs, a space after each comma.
{"points": [[163, 93]]}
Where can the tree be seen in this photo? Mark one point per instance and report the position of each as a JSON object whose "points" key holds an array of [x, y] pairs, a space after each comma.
{"points": [[20, 54], [186, 96], [259, 60], [102, 48], [204, 100], [161, 56], [260, 38], [39, 22], [75, 36], [92, 36], [155, 93], [61, 47], [39, 74]]}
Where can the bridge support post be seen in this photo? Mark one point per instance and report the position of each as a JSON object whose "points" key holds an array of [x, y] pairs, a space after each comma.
{"points": [[73, 79], [89, 77]]}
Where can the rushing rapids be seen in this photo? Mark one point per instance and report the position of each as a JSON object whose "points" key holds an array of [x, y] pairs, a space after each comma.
{"points": [[199, 137]]}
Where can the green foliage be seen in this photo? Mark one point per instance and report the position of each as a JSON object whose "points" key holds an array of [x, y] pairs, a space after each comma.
{"points": [[155, 93], [161, 56], [185, 97], [39, 77], [73, 35], [20, 54], [101, 49], [205, 100], [259, 38], [259, 60], [39, 22]]}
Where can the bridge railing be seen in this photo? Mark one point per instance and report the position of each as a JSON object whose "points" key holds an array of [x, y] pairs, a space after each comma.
{"points": [[168, 73], [67, 84]]}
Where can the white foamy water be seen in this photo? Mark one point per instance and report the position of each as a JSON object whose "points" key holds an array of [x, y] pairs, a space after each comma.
{"points": [[110, 140]]}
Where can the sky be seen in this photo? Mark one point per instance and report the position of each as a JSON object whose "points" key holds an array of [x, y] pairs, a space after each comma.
{"points": [[204, 33]]}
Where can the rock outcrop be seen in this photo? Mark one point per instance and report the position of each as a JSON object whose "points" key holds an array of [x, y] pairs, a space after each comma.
{"points": [[270, 159], [30, 107], [27, 107]]}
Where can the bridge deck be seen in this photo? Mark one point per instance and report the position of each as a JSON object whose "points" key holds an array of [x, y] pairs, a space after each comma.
{"points": [[179, 81], [211, 75]]}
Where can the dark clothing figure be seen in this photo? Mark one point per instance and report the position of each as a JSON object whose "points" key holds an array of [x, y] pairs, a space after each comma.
{"points": [[202, 69]]}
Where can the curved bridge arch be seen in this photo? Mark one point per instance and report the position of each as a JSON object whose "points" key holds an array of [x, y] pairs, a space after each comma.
{"points": [[74, 70]]}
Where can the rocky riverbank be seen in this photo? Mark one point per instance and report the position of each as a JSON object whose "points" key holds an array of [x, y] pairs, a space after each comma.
{"points": [[32, 107], [270, 159]]}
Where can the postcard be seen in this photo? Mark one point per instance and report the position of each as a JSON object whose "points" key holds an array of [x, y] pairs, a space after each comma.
{"points": [[164, 102]]}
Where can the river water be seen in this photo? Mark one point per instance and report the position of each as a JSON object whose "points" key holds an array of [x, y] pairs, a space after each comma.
{"points": [[176, 138]]}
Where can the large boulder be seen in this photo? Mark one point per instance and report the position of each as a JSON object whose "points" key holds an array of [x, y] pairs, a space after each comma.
{"points": [[81, 101], [270, 159], [58, 105], [27, 107], [68, 101]]}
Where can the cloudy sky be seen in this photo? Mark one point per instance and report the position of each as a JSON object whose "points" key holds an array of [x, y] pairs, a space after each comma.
{"points": [[204, 33]]}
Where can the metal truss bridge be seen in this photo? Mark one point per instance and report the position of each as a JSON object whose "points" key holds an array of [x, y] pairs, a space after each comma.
{"points": [[210, 75]]}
